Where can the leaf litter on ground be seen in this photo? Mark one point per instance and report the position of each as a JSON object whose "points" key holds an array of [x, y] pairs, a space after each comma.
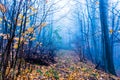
{"points": [[65, 68]]}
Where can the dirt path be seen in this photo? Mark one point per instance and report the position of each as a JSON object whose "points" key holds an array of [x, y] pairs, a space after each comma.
{"points": [[67, 55], [67, 67]]}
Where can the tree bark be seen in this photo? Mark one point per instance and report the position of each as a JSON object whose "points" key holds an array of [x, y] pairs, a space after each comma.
{"points": [[108, 54]]}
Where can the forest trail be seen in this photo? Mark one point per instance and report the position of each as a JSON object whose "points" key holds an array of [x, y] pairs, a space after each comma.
{"points": [[67, 67], [67, 55]]}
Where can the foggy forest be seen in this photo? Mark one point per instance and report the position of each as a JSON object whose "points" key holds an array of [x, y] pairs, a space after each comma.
{"points": [[59, 39]]}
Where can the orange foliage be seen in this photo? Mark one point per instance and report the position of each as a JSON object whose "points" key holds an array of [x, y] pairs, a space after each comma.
{"points": [[2, 8]]}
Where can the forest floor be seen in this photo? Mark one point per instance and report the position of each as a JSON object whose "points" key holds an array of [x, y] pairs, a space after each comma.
{"points": [[67, 67]]}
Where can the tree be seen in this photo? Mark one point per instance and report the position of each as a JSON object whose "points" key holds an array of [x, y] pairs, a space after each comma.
{"points": [[108, 54], [21, 24]]}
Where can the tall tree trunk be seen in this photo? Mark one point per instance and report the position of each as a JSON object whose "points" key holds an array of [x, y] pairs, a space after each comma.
{"points": [[108, 54]]}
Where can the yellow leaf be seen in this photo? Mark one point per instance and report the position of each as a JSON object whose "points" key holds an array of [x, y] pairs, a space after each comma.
{"points": [[15, 46], [22, 39], [33, 9], [21, 16], [7, 70], [16, 38], [111, 31], [26, 32], [83, 69], [43, 24], [18, 22], [30, 29], [23, 34], [0, 19], [32, 39]]}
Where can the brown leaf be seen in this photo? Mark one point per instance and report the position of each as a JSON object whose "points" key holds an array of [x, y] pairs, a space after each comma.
{"points": [[2, 8]]}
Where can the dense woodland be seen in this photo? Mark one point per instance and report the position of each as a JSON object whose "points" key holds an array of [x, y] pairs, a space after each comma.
{"points": [[59, 39]]}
